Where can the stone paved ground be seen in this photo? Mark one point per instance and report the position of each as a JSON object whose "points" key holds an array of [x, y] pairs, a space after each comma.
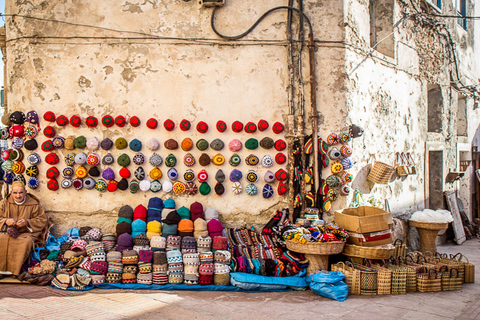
{"points": [[31, 302]]}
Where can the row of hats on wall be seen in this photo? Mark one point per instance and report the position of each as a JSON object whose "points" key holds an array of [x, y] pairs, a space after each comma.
{"points": [[18, 118], [187, 144]]}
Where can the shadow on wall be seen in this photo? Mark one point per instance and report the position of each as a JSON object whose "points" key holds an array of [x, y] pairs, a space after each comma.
{"points": [[476, 137]]}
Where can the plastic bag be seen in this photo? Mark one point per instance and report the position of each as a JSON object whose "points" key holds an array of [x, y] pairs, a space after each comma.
{"points": [[329, 285]]}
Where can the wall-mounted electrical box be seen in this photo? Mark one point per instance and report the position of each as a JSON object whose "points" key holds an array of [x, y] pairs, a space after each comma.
{"points": [[211, 3]]}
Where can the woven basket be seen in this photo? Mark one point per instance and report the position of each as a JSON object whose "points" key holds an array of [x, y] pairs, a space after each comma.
{"points": [[469, 275], [384, 279], [451, 280], [352, 276], [399, 279], [429, 281], [380, 172], [321, 248], [400, 248], [371, 253], [368, 280], [428, 232]]}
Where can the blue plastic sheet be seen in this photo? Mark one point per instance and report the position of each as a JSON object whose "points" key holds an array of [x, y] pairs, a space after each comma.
{"points": [[253, 282], [329, 285]]}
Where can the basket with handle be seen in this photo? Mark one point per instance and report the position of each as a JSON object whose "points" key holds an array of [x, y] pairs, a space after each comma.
{"points": [[400, 248], [368, 279], [451, 280], [468, 268], [412, 167], [429, 281], [400, 164], [399, 276], [380, 172], [384, 279], [352, 276]]}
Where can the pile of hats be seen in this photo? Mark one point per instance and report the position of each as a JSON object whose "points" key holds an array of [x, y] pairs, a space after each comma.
{"points": [[124, 221], [158, 245], [98, 266], [124, 242], [130, 266], [145, 258], [154, 217], [109, 241], [206, 268], [221, 275], [171, 219], [115, 267], [141, 242], [175, 265]]}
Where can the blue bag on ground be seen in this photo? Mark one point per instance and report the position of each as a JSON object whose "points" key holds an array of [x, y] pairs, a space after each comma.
{"points": [[329, 285]]}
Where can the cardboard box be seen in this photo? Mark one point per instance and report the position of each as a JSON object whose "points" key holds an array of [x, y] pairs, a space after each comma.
{"points": [[371, 239], [363, 219]]}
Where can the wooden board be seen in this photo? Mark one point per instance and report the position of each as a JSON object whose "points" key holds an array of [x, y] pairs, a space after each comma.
{"points": [[451, 197]]}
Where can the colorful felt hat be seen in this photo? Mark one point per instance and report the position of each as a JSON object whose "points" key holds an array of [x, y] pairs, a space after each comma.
{"points": [[281, 175], [169, 125], [333, 181], [70, 159], [91, 122], [81, 172], [121, 143], [49, 132], [250, 127], [75, 121], [217, 145], [333, 139], [237, 126], [62, 121], [52, 185], [179, 187], [172, 174], [252, 160], [108, 174], [218, 159], [204, 189], [282, 188], [155, 186], [108, 159], [263, 125], [58, 142], [93, 144], [267, 191], [251, 144], [202, 144], [133, 186], [134, 121], [235, 145], [345, 137], [171, 144], [135, 145], [185, 125], [139, 159], [202, 176], [189, 175], [237, 188], [202, 127], [269, 177], [170, 160], [33, 183], [346, 163], [120, 121], [267, 161], [77, 184], [94, 172], [251, 189], [108, 121], [112, 185], [123, 160], [167, 186], [251, 176], [280, 158], [278, 127], [155, 173], [189, 160], [204, 159], [68, 172], [235, 175], [68, 144], [80, 158], [17, 143], [32, 171], [221, 126], [346, 151], [280, 145], [89, 183], [80, 142], [139, 173], [336, 167], [345, 190], [334, 154], [32, 117], [19, 167], [31, 132], [153, 144], [235, 160], [49, 116], [219, 189], [152, 123], [100, 185], [187, 144], [52, 159], [155, 160], [93, 159], [124, 173], [191, 188]]}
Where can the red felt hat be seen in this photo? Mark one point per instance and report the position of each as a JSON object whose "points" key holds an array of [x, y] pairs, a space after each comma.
{"points": [[91, 122], [52, 184], [49, 116], [52, 159], [49, 132], [221, 126], [250, 127], [278, 127], [62, 121], [202, 127], [75, 121], [120, 121], [112, 185], [134, 121], [280, 158], [185, 125], [282, 188], [47, 145], [237, 126], [125, 173], [108, 121], [52, 173], [262, 125], [152, 123], [280, 145], [281, 175], [169, 125]]}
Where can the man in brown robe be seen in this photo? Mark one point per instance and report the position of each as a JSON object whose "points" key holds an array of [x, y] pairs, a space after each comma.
{"points": [[28, 223]]}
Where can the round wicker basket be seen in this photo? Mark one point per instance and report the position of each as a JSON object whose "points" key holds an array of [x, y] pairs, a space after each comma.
{"points": [[368, 252], [428, 225], [321, 248], [428, 232]]}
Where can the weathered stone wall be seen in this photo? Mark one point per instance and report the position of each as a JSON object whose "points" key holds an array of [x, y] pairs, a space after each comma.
{"points": [[187, 72]]}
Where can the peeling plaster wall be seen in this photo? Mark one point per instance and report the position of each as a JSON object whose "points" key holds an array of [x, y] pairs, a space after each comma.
{"points": [[171, 77], [388, 97]]}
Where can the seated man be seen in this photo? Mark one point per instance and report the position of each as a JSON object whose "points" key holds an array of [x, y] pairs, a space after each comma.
{"points": [[23, 223]]}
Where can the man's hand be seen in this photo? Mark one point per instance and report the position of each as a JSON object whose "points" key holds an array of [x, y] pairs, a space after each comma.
{"points": [[10, 222], [21, 223]]}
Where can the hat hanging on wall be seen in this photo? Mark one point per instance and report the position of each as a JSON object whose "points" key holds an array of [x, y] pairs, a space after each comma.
{"points": [[134, 121], [185, 125], [91, 122]]}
